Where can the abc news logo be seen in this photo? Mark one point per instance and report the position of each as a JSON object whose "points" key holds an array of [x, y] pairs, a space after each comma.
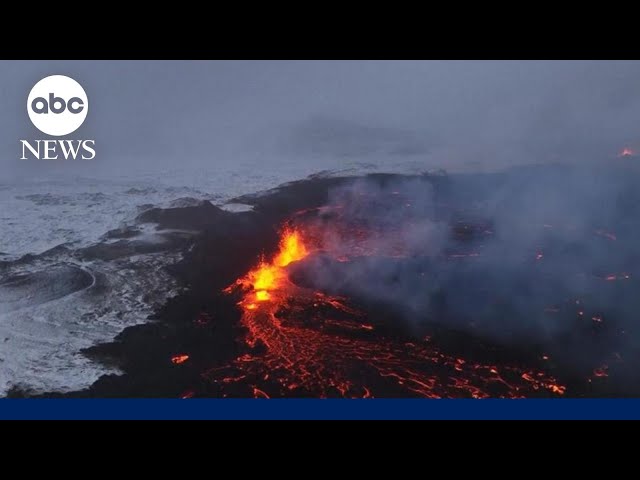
{"points": [[57, 105], [40, 105]]}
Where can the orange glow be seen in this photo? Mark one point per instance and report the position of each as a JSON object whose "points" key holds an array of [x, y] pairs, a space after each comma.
{"points": [[178, 359], [310, 342], [257, 393], [270, 276], [265, 277], [292, 249], [265, 289], [262, 295], [626, 152]]}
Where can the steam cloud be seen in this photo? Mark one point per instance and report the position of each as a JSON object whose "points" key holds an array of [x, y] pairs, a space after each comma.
{"points": [[536, 255]]}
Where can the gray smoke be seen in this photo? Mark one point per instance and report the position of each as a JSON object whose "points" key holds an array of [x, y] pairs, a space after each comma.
{"points": [[533, 255]]}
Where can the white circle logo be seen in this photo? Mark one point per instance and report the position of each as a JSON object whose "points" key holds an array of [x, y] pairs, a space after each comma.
{"points": [[57, 105]]}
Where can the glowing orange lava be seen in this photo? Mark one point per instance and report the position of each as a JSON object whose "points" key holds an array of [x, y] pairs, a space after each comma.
{"points": [[303, 342], [292, 249], [178, 359], [269, 277]]}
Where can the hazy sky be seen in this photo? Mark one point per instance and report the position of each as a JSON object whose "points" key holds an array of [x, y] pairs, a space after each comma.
{"points": [[146, 115]]}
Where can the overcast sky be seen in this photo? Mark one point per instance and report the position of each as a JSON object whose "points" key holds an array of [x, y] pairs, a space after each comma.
{"points": [[474, 114]]}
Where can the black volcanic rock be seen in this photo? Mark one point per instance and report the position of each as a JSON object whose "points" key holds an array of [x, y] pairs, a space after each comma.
{"points": [[125, 248], [122, 248], [120, 233], [282, 201]]}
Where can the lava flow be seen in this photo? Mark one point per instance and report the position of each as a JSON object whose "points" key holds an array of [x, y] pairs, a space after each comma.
{"points": [[301, 342]]}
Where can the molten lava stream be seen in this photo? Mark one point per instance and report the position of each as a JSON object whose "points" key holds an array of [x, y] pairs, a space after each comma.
{"points": [[308, 348]]}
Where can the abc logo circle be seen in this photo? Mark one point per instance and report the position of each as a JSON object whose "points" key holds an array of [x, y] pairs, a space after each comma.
{"points": [[57, 105]]}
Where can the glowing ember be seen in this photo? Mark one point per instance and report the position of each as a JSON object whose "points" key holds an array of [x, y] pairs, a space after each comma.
{"points": [[178, 359], [559, 389], [601, 372], [626, 152]]}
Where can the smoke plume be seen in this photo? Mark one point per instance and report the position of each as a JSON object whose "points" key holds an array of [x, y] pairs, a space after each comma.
{"points": [[536, 255]]}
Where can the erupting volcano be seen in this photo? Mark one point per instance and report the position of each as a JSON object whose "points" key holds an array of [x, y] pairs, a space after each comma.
{"points": [[303, 342], [397, 286]]}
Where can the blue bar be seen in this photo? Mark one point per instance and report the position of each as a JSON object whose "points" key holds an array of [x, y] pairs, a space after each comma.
{"points": [[390, 409]]}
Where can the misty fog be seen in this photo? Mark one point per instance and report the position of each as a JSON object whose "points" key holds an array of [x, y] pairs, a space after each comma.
{"points": [[209, 117]]}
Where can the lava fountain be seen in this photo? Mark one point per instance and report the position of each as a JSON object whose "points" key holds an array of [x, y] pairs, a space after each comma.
{"points": [[305, 343], [270, 278]]}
